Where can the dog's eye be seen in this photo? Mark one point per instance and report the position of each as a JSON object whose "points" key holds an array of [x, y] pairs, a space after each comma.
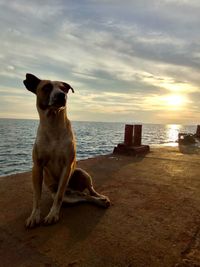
{"points": [[47, 88]]}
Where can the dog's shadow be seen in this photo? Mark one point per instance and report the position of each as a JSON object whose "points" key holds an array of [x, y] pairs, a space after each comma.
{"points": [[77, 222], [81, 220]]}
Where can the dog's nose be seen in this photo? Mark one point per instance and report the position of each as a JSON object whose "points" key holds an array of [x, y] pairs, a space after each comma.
{"points": [[60, 97]]}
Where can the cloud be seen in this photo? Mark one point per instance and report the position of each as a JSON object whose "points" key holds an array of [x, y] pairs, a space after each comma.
{"points": [[120, 57]]}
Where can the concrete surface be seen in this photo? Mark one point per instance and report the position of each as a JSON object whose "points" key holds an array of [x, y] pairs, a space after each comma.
{"points": [[154, 218]]}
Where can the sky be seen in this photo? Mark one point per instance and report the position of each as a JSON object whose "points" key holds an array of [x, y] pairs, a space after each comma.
{"points": [[128, 61]]}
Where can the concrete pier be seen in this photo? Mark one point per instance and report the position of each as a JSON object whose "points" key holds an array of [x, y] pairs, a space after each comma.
{"points": [[154, 219]]}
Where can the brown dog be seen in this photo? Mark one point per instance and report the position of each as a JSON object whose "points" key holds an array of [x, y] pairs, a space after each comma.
{"points": [[54, 153]]}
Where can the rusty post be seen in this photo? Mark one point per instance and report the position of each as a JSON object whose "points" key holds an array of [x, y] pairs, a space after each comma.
{"points": [[198, 131], [128, 134], [137, 139]]}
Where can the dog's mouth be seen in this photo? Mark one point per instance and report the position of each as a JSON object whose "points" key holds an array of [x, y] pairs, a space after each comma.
{"points": [[59, 104]]}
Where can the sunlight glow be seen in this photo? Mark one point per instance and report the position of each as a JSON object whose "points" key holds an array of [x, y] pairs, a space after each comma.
{"points": [[179, 87], [174, 100], [170, 84], [168, 102]]}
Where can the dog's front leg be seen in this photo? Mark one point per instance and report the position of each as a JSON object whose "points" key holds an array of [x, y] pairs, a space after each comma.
{"points": [[37, 179], [53, 215]]}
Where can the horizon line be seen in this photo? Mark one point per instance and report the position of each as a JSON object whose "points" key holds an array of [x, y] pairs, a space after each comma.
{"points": [[118, 122]]}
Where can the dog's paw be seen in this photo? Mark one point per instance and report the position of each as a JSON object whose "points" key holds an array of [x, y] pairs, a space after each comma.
{"points": [[51, 218], [105, 202], [33, 220]]}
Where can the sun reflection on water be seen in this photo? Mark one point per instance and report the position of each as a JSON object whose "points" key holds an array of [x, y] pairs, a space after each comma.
{"points": [[172, 133]]}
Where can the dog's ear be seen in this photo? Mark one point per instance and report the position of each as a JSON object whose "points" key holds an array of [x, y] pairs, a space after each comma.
{"points": [[67, 87], [31, 82]]}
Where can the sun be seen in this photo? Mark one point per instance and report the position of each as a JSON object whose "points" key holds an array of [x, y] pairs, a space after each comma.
{"points": [[174, 101]]}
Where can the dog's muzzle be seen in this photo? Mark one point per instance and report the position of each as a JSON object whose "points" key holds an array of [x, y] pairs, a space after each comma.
{"points": [[59, 99]]}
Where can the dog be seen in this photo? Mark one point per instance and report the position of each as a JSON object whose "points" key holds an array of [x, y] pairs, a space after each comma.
{"points": [[54, 154]]}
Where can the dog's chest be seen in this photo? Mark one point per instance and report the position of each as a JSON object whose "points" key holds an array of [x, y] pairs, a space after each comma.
{"points": [[55, 148], [55, 155]]}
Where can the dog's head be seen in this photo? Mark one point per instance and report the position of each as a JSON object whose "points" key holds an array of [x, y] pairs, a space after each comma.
{"points": [[50, 94]]}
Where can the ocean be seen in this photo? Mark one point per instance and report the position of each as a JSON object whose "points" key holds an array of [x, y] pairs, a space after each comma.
{"points": [[93, 138]]}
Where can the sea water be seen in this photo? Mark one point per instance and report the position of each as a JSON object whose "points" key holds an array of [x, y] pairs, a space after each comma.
{"points": [[93, 138]]}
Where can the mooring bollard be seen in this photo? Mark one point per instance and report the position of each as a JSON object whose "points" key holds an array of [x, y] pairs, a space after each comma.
{"points": [[132, 142], [133, 135], [198, 131], [128, 135]]}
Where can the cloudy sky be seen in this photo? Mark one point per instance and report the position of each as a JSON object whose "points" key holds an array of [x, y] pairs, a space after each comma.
{"points": [[127, 60]]}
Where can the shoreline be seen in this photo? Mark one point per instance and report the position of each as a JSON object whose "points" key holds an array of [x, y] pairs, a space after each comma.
{"points": [[152, 146]]}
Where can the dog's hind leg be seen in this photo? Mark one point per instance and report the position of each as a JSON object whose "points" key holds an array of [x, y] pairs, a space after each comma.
{"points": [[81, 180], [74, 197]]}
